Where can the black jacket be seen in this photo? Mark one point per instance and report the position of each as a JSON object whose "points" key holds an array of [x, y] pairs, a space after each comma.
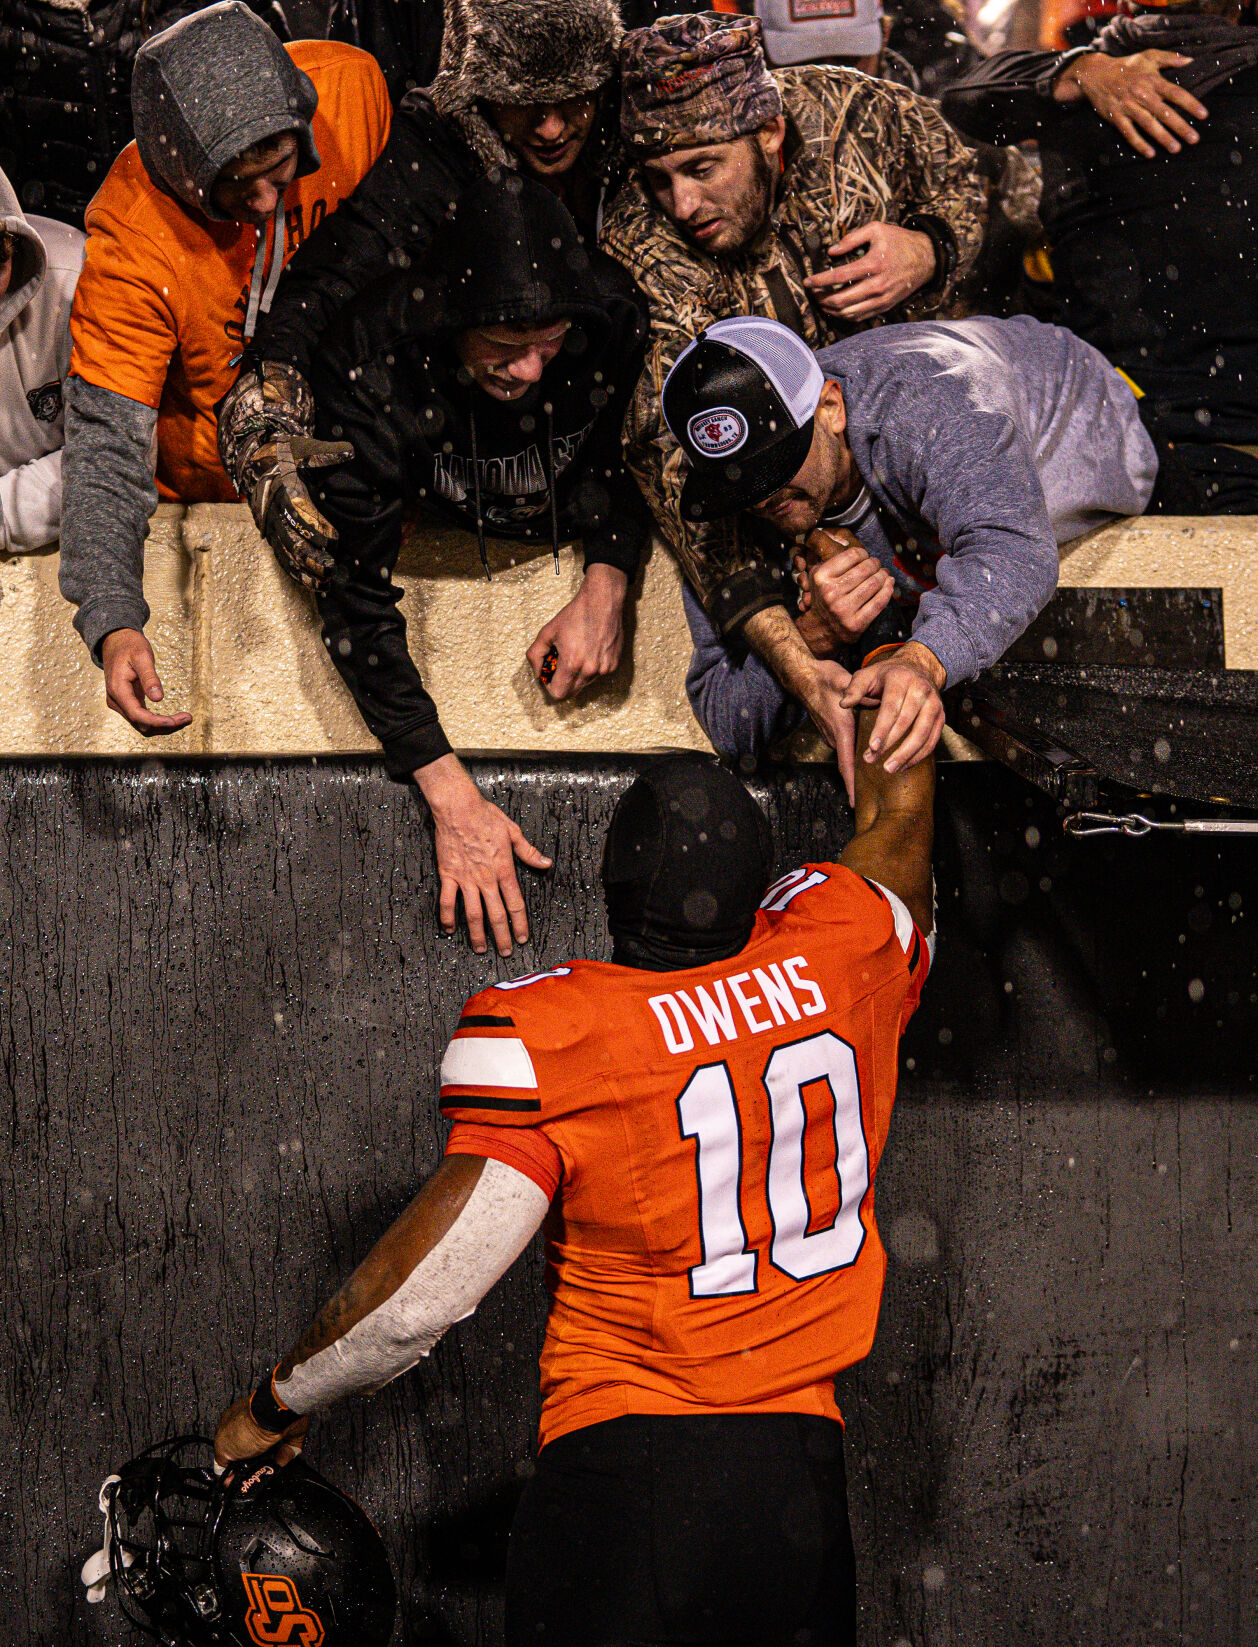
{"points": [[65, 92], [1152, 260], [389, 221], [427, 441]]}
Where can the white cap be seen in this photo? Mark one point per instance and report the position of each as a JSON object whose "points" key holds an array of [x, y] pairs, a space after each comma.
{"points": [[780, 354], [801, 31]]}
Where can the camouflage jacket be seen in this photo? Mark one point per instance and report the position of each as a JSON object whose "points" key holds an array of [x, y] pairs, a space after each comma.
{"points": [[857, 150]]}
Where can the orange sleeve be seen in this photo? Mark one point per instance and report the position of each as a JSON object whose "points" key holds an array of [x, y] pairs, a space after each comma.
{"points": [[123, 327], [526, 1149]]}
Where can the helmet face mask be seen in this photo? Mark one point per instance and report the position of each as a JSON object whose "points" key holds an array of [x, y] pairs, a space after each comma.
{"points": [[161, 1514], [257, 1556]]}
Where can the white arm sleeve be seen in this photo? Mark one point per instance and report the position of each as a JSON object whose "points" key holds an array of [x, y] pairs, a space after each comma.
{"points": [[502, 1215]]}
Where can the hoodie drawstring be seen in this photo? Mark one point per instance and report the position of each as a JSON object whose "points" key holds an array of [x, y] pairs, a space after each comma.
{"points": [[260, 298], [550, 483], [480, 519]]}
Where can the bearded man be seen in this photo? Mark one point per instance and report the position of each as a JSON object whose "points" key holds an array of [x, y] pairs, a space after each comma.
{"points": [[814, 196]]}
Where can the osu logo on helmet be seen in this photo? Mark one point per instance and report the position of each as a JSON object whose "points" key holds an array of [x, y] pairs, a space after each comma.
{"points": [[717, 432], [276, 1617]]}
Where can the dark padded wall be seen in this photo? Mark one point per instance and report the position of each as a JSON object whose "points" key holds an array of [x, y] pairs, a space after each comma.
{"points": [[224, 1000]]}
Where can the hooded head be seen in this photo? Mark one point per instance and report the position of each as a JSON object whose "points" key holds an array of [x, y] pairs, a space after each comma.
{"points": [[687, 860], [511, 256], [520, 51], [29, 262], [206, 89]]}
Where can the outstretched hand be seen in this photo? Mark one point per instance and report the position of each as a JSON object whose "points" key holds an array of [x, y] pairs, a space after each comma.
{"points": [[1134, 96], [131, 678], [477, 845], [905, 685], [239, 1436], [827, 688]]}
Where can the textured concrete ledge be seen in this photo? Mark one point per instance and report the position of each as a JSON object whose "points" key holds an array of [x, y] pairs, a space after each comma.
{"points": [[239, 645]]}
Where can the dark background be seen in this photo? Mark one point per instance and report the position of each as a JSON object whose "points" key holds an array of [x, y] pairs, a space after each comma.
{"points": [[225, 997]]}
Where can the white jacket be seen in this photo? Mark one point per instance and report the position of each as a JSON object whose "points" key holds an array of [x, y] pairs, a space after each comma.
{"points": [[34, 361]]}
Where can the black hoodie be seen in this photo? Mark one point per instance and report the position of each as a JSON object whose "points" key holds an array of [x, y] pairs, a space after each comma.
{"points": [[441, 142], [427, 440], [1153, 259]]}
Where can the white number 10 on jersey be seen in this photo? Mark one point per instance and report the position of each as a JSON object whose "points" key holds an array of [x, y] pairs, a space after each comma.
{"points": [[708, 1111]]}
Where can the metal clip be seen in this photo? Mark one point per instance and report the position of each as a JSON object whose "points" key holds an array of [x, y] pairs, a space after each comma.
{"points": [[1109, 823], [1134, 824]]}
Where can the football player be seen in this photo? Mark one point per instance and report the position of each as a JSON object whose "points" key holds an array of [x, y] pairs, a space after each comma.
{"points": [[696, 1125]]}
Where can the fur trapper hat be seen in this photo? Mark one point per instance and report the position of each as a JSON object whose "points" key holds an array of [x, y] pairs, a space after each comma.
{"points": [[520, 51]]}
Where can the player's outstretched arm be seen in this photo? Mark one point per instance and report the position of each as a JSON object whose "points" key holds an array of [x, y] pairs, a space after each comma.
{"points": [[895, 826], [465, 1228]]}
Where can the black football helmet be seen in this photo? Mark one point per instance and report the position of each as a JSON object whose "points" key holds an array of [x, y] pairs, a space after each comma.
{"points": [[262, 1556]]}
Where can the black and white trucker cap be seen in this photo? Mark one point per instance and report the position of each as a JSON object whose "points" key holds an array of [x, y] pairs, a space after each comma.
{"points": [[740, 401]]}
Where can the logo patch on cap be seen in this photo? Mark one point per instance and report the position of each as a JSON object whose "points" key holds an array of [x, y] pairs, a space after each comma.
{"points": [[718, 432]]}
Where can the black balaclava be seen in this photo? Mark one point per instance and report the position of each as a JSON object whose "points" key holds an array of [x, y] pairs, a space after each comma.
{"points": [[688, 858]]}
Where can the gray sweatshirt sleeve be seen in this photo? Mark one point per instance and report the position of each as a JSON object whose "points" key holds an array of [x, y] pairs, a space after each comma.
{"points": [[108, 496], [736, 700], [976, 483]]}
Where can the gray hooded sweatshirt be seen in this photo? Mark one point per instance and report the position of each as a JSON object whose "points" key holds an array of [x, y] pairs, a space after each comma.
{"points": [[34, 360], [202, 91], [986, 443]]}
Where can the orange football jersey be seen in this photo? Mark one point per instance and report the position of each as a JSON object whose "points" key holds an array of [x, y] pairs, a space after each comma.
{"points": [[709, 1140]]}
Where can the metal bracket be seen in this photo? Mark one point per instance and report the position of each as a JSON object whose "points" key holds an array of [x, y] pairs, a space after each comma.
{"points": [[982, 717]]}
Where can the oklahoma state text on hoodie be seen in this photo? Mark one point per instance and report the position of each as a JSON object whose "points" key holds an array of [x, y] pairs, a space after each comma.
{"points": [[34, 358]]}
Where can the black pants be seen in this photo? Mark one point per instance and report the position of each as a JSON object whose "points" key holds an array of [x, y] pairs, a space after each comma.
{"points": [[726, 1530]]}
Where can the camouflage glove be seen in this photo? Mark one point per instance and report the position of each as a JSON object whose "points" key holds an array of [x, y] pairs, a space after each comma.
{"points": [[264, 441]]}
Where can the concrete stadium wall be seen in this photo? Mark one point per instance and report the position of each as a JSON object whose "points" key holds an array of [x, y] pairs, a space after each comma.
{"points": [[225, 1002], [225, 998], [238, 644]]}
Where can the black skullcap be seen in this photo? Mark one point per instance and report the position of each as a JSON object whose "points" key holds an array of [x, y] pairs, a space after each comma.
{"points": [[686, 862]]}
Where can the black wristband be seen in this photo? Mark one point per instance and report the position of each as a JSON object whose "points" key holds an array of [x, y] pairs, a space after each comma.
{"points": [[943, 240], [267, 1410]]}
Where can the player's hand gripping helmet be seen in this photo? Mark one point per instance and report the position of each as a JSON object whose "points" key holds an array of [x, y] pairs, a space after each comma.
{"points": [[259, 1557]]}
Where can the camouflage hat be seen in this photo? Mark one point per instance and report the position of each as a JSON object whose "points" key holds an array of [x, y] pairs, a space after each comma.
{"points": [[691, 80]]}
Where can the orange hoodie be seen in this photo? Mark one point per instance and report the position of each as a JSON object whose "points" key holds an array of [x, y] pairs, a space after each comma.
{"points": [[160, 307]]}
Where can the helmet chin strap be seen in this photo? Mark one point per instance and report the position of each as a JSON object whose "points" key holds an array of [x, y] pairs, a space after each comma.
{"points": [[97, 1570]]}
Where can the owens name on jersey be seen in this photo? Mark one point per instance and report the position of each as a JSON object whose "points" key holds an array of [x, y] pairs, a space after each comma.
{"points": [[709, 1140]]}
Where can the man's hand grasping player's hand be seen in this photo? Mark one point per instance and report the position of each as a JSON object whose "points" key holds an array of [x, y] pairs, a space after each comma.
{"points": [[905, 684], [844, 587]]}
